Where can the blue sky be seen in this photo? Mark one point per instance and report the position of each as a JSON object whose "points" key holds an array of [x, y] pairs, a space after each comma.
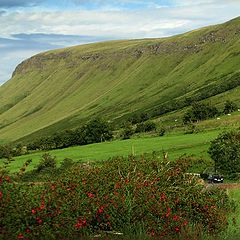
{"points": [[28, 27]]}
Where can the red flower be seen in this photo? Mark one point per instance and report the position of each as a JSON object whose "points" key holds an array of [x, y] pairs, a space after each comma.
{"points": [[33, 211], [177, 229], [40, 221], [1, 194], [100, 210], [27, 230], [8, 179], [81, 223], [175, 217], [20, 236], [185, 223], [90, 195], [163, 196]]}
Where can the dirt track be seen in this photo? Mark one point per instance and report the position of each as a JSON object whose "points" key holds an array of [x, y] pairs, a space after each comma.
{"points": [[224, 185]]}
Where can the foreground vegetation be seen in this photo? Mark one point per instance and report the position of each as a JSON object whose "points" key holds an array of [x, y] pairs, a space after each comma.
{"points": [[144, 197]]}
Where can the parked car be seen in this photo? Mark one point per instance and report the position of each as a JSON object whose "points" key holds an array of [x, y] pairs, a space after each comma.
{"points": [[215, 178]]}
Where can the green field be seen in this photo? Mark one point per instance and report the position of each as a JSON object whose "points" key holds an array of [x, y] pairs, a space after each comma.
{"points": [[64, 88], [175, 145]]}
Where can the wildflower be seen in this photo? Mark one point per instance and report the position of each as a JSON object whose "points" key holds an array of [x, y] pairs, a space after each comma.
{"points": [[185, 223], [40, 221], [100, 210], [20, 236], [168, 212], [163, 196], [8, 179], [81, 223], [175, 217], [27, 230], [1, 195], [177, 229], [33, 211], [90, 195]]}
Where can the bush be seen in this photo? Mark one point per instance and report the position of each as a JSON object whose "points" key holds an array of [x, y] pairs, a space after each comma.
{"points": [[225, 151], [146, 127], [127, 132], [47, 163], [230, 107], [121, 194], [161, 131], [200, 111], [97, 130], [5, 151]]}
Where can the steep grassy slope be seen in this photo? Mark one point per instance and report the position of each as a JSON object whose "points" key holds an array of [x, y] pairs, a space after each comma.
{"points": [[60, 89]]}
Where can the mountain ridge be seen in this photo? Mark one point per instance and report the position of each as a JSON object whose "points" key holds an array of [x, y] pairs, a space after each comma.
{"points": [[63, 88]]}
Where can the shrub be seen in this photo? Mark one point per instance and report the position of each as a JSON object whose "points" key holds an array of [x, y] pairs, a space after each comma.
{"points": [[146, 127], [5, 152], [230, 107], [161, 131], [47, 163], [225, 151], [121, 194], [200, 111], [127, 132]]}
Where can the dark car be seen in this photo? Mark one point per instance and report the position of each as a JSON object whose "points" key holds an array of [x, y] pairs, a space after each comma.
{"points": [[215, 178]]}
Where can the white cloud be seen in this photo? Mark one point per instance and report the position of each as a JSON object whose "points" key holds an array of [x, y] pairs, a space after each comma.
{"points": [[156, 21]]}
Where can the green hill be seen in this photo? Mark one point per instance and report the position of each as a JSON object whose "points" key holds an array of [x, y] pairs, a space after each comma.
{"points": [[61, 89]]}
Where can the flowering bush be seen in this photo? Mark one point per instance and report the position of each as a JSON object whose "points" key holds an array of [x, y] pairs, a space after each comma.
{"points": [[119, 195]]}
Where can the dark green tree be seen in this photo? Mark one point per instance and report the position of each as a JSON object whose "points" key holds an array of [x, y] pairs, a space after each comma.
{"points": [[127, 132], [47, 162], [200, 111], [97, 130], [230, 107], [5, 152], [225, 151]]}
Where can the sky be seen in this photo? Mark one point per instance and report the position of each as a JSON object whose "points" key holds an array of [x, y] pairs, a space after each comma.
{"points": [[28, 27]]}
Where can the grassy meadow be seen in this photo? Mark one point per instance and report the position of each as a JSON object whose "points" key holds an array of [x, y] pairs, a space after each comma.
{"points": [[174, 145]]}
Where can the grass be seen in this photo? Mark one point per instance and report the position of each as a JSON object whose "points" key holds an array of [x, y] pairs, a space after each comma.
{"points": [[63, 88], [175, 145], [233, 231]]}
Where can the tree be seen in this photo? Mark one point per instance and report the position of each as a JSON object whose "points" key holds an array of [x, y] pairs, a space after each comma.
{"points": [[230, 107], [200, 111], [225, 151], [127, 131], [47, 162], [146, 127], [5, 152], [97, 130]]}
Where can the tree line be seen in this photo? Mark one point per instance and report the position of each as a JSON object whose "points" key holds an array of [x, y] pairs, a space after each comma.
{"points": [[97, 130], [202, 111]]}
